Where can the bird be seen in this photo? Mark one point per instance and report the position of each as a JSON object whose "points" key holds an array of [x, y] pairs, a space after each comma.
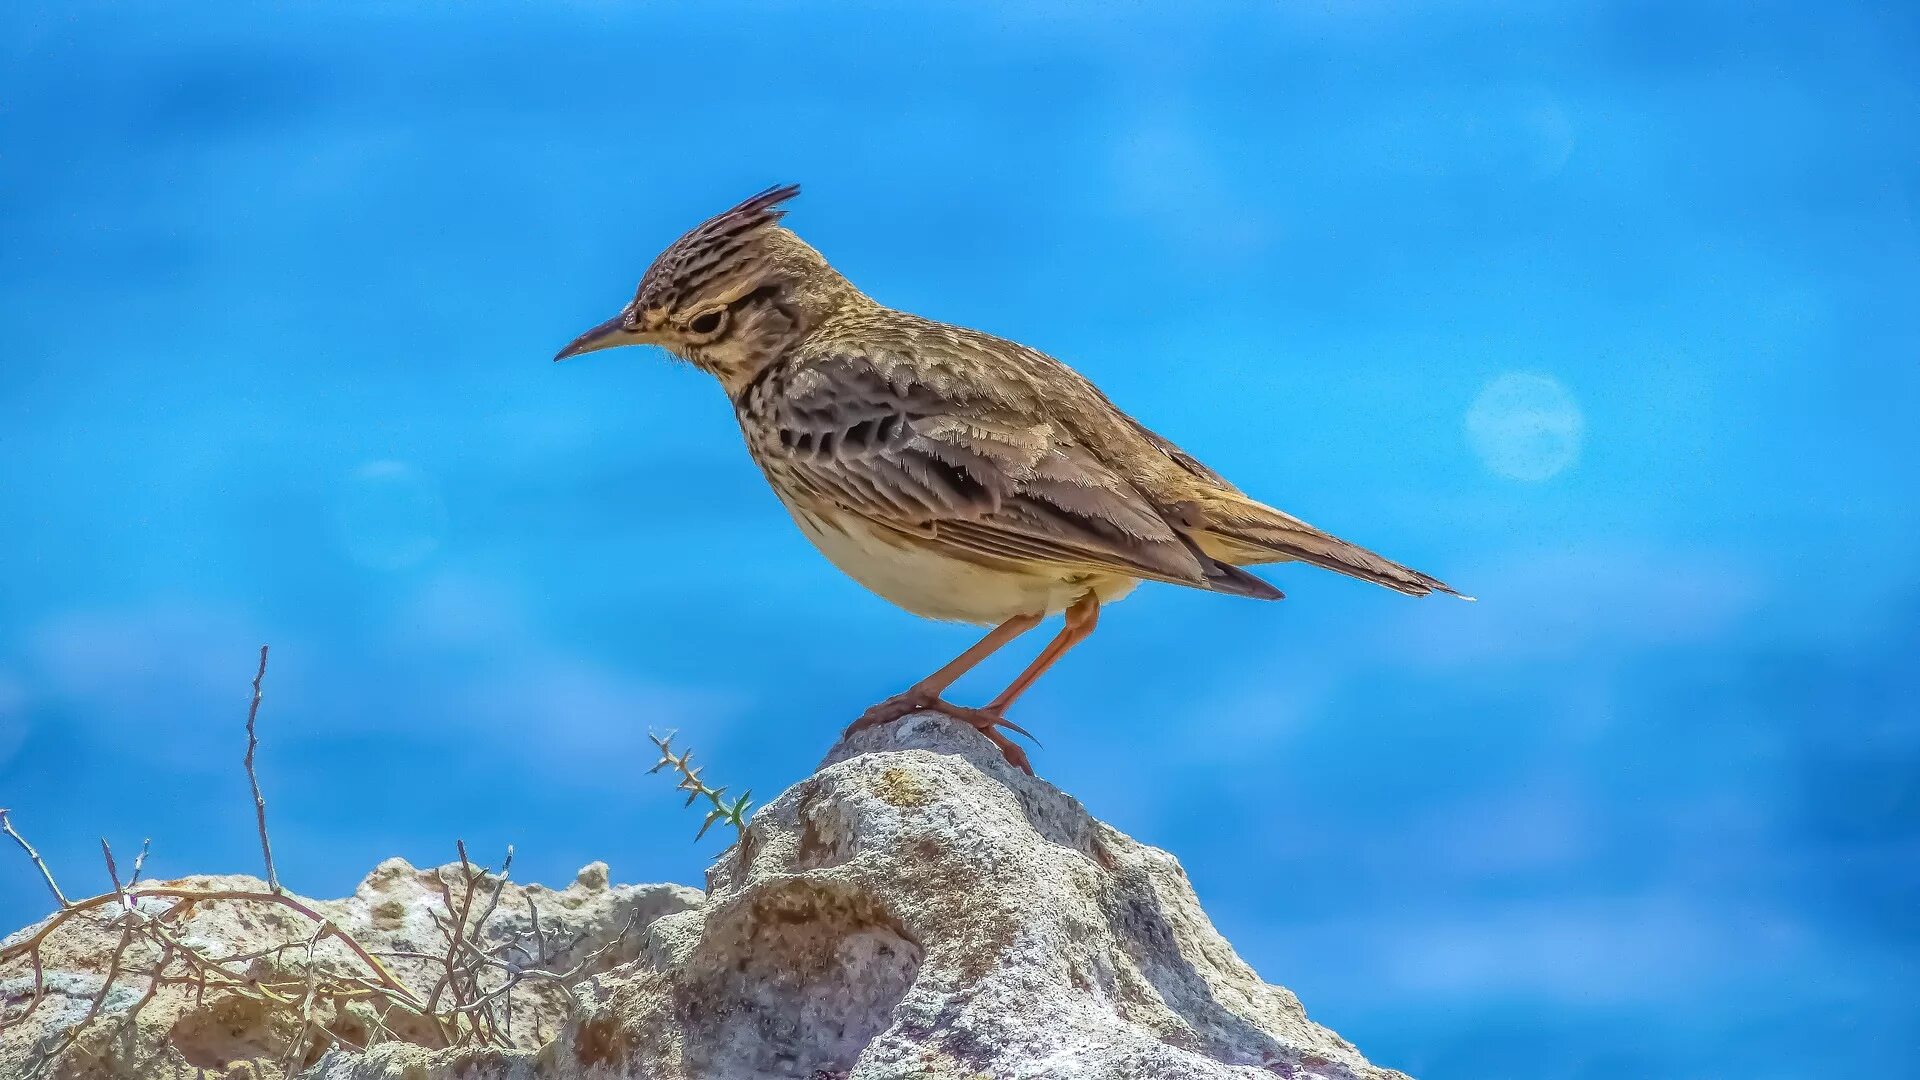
{"points": [[958, 475]]}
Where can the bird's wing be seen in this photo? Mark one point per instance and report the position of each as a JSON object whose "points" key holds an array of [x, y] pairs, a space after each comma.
{"points": [[1232, 528], [927, 454]]}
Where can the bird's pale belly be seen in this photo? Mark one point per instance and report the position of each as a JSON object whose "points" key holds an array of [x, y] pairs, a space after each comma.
{"points": [[936, 586]]}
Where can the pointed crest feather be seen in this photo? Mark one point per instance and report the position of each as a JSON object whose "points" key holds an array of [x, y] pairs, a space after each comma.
{"points": [[709, 247]]}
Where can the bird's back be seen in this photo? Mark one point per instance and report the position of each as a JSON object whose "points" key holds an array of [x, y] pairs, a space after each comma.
{"points": [[976, 369], [1179, 519]]}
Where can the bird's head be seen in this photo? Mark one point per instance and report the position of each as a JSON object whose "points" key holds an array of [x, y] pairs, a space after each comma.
{"points": [[729, 296]]}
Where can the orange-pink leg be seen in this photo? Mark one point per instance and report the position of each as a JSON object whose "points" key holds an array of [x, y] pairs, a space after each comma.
{"points": [[1081, 617], [925, 694]]}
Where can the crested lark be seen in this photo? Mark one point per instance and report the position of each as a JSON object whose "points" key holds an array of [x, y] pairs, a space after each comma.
{"points": [[959, 475]]}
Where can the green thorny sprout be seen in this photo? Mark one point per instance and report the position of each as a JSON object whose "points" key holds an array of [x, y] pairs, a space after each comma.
{"points": [[733, 813]]}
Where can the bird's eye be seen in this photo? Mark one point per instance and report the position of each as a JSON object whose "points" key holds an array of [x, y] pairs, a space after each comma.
{"points": [[707, 322]]}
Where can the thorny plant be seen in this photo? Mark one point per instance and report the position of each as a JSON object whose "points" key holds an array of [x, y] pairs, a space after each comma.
{"points": [[733, 813], [470, 1002]]}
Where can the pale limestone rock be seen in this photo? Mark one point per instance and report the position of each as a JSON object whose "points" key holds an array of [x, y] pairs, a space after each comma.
{"points": [[914, 909], [221, 1035], [919, 909]]}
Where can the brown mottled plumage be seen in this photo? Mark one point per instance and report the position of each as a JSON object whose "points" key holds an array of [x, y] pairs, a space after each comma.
{"points": [[957, 474]]}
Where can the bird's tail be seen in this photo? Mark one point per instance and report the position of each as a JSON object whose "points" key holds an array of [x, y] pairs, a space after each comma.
{"points": [[1235, 529]]}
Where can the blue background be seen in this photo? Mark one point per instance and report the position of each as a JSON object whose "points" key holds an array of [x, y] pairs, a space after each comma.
{"points": [[278, 293]]}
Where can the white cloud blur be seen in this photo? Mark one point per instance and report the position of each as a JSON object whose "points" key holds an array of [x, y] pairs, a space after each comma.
{"points": [[1596, 602], [1650, 950], [116, 662], [1170, 174], [1544, 822], [1627, 949], [13, 716], [389, 515], [456, 658], [572, 714]]}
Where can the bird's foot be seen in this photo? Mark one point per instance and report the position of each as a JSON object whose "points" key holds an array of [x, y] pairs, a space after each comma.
{"points": [[892, 709], [987, 722]]}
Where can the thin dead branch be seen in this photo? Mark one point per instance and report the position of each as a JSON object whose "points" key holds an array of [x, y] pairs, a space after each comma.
{"points": [[46, 875], [298, 1043], [470, 1002], [139, 861], [482, 975], [259, 801]]}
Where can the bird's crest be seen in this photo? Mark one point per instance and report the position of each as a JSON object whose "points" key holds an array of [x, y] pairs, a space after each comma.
{"points": [[718, 247]]}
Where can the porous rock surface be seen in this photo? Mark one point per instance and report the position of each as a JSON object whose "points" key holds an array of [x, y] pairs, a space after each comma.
{"points": [[194, 1032], [917, 909]]}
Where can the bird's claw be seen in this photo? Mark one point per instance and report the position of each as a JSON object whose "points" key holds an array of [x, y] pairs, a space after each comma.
{"points": [[890, 710], [986, 721]]}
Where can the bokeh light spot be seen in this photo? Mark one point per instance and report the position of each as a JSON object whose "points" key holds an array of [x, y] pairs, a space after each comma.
{"points": [[1526, 426]]}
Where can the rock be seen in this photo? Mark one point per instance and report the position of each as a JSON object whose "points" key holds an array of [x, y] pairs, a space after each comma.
{"points": [[914, 909], [222, 1033], [918, 908]]}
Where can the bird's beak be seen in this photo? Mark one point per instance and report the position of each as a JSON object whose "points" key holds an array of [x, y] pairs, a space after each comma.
{"points": [[610, 334]]}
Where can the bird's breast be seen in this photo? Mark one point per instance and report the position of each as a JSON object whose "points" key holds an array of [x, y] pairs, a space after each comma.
{"points": [[925, 579]]}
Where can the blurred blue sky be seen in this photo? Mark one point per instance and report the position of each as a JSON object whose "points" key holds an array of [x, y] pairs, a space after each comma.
{"points": [[1605, 313]]}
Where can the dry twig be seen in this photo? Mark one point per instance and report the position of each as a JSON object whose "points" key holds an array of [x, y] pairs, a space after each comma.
{"points": [[259, 801], [46, 875], [471, 1002]]}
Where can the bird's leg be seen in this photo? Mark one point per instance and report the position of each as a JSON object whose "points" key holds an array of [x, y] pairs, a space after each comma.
{"points": [[1082, 617], [925, 694]]}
